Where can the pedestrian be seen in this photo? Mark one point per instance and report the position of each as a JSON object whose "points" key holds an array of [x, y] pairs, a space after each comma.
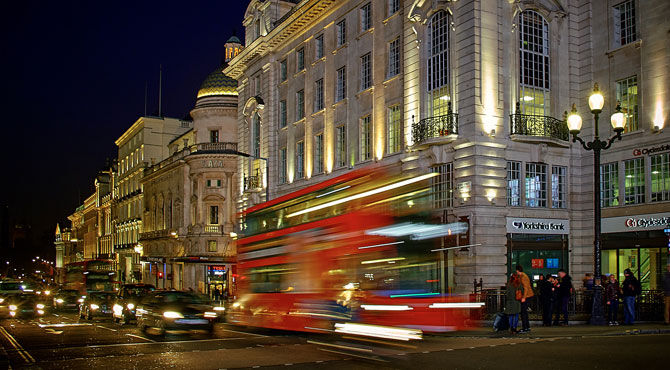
{"points": [[565, 289], [666, 288], [513, 295], [631, 288], [588, 281], [217, 294], [612, 299], [546, 293], [525, 300]]}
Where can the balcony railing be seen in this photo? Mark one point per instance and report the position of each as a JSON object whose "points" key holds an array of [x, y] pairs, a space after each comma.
{"points": [[533, 125], [213, 229], [252, 182], [215, 147], [438, 126], [154, 234]]}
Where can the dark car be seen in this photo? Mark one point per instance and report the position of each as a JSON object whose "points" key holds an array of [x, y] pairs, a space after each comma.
{"points": [[127, 299], [175, 311], [26, 305], [97, 304], [67, 300]]}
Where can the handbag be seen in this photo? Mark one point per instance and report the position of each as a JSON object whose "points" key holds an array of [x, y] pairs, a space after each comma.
{"points": [[518, 294]]}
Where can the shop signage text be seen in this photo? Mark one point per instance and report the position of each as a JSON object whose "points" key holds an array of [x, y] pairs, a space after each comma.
{"points": [[655, 149], [537, 226], [655, 221]]}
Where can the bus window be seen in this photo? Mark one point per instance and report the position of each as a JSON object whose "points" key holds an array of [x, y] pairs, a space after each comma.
{"points": [[273, 279]]}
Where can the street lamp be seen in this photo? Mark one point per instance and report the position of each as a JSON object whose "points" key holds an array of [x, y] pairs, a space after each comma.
{"points": [[574, 122]]}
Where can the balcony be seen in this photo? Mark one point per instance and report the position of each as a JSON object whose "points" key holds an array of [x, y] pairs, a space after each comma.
{"points": [[528, 127], [213, 229], [445, 126], [252, 182], [228, 148]]}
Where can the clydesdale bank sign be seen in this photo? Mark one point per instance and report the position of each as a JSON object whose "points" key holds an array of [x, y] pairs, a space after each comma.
{"points": [[517, 225]]}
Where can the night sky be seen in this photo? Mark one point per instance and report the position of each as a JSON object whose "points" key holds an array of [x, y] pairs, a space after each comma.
{"points": [[74, 77]]}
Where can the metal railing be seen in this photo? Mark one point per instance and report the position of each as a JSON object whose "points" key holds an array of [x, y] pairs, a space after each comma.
{"points": [[222, 147], [535, 125], [437, 126], [154, 234]]}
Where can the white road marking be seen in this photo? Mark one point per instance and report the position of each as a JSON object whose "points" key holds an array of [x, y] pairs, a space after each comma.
{"points": [[244, 332], [106, 328], [141, 337], [62, 325]]}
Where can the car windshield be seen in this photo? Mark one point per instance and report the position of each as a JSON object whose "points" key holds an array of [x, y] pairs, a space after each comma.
{"points": [[68, 293], [181, 297], [102, 296], [137, 291]]}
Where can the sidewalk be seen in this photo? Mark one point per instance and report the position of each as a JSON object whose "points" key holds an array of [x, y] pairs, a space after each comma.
{"points": [[577, 330]]}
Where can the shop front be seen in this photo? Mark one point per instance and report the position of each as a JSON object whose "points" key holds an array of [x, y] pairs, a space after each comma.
{"points": [[539, 245], [213, 276], [637, 243]]}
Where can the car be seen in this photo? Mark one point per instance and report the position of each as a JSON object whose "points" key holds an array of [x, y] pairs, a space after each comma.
{"points": [[67, 299], [174, 312], [127, 299], [97, 304], [26, 305]]}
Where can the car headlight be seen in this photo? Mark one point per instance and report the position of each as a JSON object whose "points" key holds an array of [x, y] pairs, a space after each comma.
{"points": [[12, 307], [130, 306], [2, 300], [219, 308], [172, 315], [40, 312], [40, 306], [80, 300], [47, 292], [94, 306], [59, 300], [210, 315], [118, 309]]}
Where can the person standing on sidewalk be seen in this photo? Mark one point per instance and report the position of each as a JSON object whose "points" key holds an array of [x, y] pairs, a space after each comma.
{"points": [[631, 288], [564, 292], [612, 299], [513, 295], [527, 294], [666, 288], [546, 293]]}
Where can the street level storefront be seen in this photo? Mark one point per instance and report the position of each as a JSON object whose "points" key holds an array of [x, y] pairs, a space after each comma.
{"points": [[205, 274], [638, 243], [539, 245]]}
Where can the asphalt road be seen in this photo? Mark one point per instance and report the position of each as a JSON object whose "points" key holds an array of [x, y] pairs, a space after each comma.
{"points": [[64, 342]]}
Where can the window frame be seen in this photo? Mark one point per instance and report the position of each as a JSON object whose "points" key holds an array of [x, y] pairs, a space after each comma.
{"points": [[340, 146], [660, 173], [627, 99], [365, 14], [318, 153], [535, 182], [341, 32], [318, 47], [300, 104], [283, 70], [393, 66], [559, 184], [634, 193], [300, 159], [609, 184], [283, 114], [534, 63], [514, 174], [341, 84], [300, 60], [319, 103], [366, 71], [365, 142], [283, 165]]}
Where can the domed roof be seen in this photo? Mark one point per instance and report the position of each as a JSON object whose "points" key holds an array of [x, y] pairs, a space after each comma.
{"points": [[217, 84], [234, 39]]}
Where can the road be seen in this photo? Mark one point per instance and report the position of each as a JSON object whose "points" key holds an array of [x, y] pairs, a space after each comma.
{"points": [[62, 341]]}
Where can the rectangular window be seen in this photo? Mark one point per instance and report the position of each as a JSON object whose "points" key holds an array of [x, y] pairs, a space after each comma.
{"points": [[214, 136], [394, 58], [536, 185], [283, 116], [558, 186], [256, 128], [318, 153], [442, 186], [609, 184], [626, 94], [318, 41], [213, 183], [300, 160], [283, 71], [300, 105], [393, 7], [282, 166], [257, 85], [341, 30], [513, 183], [366, 72], [318, 95], [211, 246], [341, 86], [660, 177], [341, 146], [624, 23], [366, 138], [634, 182], [300, 59], [394, 128], [213, 215], [366, 17]]}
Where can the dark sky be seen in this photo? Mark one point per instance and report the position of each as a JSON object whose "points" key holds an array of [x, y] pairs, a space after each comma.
{"points": [[73, 80]]}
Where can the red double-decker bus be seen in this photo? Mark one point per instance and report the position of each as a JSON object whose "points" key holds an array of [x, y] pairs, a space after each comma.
{"points": [[354, 254], [90, 275]]}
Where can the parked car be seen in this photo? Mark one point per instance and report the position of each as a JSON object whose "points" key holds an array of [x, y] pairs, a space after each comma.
{"points": [[67, 300], [127, 299], [175, 311], [26, 305], [97, 304]]}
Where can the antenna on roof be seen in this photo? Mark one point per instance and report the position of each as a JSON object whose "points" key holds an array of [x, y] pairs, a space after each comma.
{"points": [[160, 91]]}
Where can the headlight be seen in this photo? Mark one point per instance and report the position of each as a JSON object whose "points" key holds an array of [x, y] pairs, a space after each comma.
{"points": [[80, 300], [12, 307], [172, 315], [40, 306], [2, 300], [94, 306], [130, 306], [40, 312], [59, 300], [118, 309], [219, 308], [210, 315], [47, 292]]}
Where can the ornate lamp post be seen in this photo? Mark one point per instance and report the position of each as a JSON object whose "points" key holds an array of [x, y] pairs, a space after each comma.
{"points": [[574, 121]]}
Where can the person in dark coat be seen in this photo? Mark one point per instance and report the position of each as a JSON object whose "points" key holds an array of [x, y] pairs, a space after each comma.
{"points": [[666, 291], [631, 289], [512, 304], [612, 300], [565, 290], [545, 287]]}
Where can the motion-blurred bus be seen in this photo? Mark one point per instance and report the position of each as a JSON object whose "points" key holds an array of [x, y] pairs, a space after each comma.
{"points": [[90, 275], [353, 253]]}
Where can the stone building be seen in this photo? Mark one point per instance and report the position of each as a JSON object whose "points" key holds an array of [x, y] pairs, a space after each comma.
{"points": [[474, 92], [189, 212]]}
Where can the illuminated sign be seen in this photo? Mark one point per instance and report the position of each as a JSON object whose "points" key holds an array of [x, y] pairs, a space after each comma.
{"points": [[654, 149], [517, 225], [537, 263], [653, 221], [217, 270]]}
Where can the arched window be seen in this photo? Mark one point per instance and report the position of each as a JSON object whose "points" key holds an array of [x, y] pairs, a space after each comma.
{"points": [[438, 69], [534, 95]]}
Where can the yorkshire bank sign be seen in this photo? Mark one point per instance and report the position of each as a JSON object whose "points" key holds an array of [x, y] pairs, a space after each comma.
{"points": [[518, 225], [654, 221]]}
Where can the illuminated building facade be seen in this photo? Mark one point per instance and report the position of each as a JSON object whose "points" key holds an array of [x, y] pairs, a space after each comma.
{"points": [[189, 213], [475, 93]]}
